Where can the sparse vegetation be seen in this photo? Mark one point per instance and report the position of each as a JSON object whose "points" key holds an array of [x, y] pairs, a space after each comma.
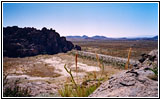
{"points": [[77, 90], [107, 60], [69, 91], [118, 48], [100, 64], [28, 66], [14, 90], [155, 71], [42, 70], [82, 90], [70, 72]]}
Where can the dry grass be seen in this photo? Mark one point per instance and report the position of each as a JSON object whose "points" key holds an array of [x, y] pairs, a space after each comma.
{"points": [[28, 66], [42, 70], [9, 64]]}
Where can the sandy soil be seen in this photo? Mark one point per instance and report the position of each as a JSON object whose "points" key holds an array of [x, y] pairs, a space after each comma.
{"points": [[49, 72], [58, 64]]}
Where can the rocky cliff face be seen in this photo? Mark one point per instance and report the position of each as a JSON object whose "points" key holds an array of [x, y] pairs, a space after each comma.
{"points": [[21, 42]]}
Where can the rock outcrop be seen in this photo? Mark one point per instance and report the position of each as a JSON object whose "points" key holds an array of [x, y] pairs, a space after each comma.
{"points": [[135, 82], [77, 47], [116, 61], [21, 42]]}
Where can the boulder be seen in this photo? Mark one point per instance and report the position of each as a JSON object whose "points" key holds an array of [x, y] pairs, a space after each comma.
{"points": [[132, 83], [152, 56], [77, 47]]}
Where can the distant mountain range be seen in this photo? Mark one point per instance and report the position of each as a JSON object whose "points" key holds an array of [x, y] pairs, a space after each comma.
{"points": [[97, 37]]}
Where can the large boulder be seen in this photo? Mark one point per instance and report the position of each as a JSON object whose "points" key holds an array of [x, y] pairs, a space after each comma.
{"points": [[21, 42], [136, 82]]}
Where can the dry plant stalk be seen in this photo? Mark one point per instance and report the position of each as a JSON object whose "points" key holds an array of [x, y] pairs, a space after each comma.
{"points": [[95, 75], [76, 60], [76, 56], [99, 64], [70, 72], [127, 64], [97, 57]]}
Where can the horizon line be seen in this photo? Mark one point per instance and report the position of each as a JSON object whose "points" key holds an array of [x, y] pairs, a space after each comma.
{"points": [[81, 35]]}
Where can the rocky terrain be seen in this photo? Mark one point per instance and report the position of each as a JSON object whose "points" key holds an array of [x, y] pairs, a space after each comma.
{"points": [[136, 82], [22, 42], [44, 75]]}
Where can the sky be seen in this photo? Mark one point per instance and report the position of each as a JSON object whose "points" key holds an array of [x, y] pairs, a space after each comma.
{"points": [[106, 19]]}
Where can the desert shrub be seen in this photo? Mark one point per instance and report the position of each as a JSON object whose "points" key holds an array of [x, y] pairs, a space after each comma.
{"points": [[155, 71]]}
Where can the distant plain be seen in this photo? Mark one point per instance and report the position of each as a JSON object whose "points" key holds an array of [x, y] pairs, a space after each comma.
{"points": [[118, 48]]}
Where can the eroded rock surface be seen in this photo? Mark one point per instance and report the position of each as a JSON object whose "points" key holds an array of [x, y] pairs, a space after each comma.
{"points": [[132, 83]]}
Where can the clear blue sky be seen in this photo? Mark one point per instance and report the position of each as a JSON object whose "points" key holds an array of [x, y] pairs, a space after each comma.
{"points": [[108, 19]]}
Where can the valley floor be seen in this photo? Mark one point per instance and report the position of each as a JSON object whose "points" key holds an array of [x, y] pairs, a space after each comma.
{"points": [[44, 75]]}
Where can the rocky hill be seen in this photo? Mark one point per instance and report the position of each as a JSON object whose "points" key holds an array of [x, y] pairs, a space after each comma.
{"points": [[140, 81], [21, 42]]}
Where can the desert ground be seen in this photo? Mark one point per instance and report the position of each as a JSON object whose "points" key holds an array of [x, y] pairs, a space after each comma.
{"points": [[49, 71], [45, 75], [118, 48]]}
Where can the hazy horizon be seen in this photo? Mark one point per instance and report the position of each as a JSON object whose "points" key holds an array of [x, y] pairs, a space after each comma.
{"points": [[72, 19], [118, 37]]}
